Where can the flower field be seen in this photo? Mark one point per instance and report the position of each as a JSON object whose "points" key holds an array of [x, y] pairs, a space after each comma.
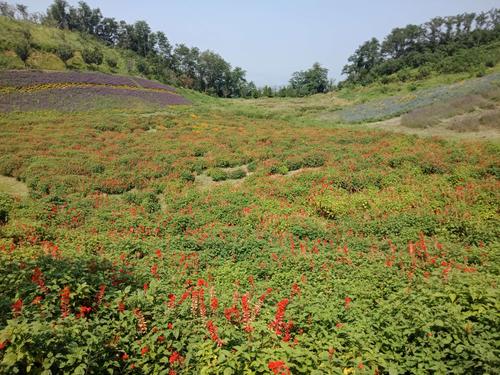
{"points": [[378, 255], [70, 91], [399, 104]]}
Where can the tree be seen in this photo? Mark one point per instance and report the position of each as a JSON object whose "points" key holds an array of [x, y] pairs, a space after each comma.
{"points": [[7, 10], [312, 81], [364, 59], [58, 15], [22, 10], [107, 31]]}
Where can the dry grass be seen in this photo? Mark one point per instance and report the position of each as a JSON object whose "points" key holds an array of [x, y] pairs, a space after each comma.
{"points": [[12, 186], [432, 115]]}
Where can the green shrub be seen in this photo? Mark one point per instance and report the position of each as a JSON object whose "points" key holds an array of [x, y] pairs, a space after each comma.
{"points": [[187, 176], [92, 56], [111, 61], [217, 174], [236, 174], [65, 52]]}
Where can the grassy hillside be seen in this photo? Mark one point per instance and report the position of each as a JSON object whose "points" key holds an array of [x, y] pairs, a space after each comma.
{"points": [[44, 43]]}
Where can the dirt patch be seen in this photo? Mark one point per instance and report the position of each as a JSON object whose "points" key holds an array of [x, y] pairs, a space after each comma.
{"points": [[445, 128], [203, 180], [12, 186]]}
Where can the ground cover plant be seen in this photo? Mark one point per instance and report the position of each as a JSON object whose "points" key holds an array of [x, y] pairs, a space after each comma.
{"points": [[378, 255]]}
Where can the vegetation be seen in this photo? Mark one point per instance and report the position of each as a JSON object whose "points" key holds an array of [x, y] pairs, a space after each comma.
{"points": [[453, 44], [263, 236], [120, 259]]}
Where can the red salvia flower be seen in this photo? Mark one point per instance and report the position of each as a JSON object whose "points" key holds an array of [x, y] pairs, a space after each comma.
{"points": [[214, 303], [171, 300], [144, 350], [64, 301], [278, 368], [37, 300], [212, 329], [154, 270], [17, 307], [100, 294], [347, 302], [121, 307], [84, 310], [37, 278], [175, 357]]}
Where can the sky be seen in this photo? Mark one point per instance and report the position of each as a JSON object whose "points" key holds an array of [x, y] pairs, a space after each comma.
{"points": [[271, 39]]}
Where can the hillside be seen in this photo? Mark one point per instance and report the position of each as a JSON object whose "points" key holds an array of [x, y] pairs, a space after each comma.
{"points": [[28, 90]]}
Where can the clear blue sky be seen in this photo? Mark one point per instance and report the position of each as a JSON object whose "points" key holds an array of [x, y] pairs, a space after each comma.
{"points": [[271, 39]]}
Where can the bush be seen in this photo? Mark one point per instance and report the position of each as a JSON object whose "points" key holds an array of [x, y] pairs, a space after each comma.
{"points": [[23, 50], [217, 174], [313, 161], [111, 61], [92, 56], [236, 174], [64, 52], [187, 176], [5, 207]]}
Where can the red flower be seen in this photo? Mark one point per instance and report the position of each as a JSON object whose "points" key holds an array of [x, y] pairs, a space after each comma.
{"points": [[144, 350], [347, 302], [154, 270], [278, 368], [65, 296], [125, 356], [17, 307], [212, 329], [175, 357], [171, 300], [158, 253], [100, 294], [84, 310], [121, 307], [37, 300], [214, 303], [3, 345]]}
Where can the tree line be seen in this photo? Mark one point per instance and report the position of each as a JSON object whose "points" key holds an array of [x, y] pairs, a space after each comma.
{"points": [[446, 44], [189, 67]]}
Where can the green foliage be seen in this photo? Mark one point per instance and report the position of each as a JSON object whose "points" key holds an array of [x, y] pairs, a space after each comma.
{"points": [[455, 44], [92, 56], [65, 52]]}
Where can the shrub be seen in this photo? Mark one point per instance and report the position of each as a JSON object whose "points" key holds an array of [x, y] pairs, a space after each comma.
{"points": [[313, 161], [217, 174], [6, 203], [151, 203], [236, 174], [187, 176], [92, 56], [23, 50], [64, 52], [111, 61]]}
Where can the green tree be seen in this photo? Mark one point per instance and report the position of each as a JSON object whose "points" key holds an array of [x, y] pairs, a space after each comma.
{"points": [[312, 81], [58, 15]]}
